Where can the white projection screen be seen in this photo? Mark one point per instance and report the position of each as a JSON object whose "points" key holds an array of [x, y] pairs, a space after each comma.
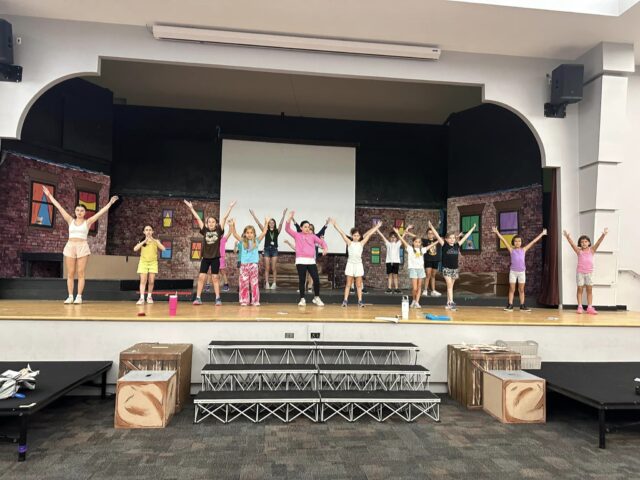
{"points": [[315, 181]]}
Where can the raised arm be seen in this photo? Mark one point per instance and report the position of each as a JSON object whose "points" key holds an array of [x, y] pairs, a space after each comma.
{"points": [[435, 232], [499, 235], [466, 235], [102, 211], [432, 244], [384, 239], [535, 240], [160, 245], [287, 226], [604, 234], [571, 242], [140, 244], [257, 220], [293, 247], [232, 229], [264, 229], [401, 237], [67, 218], [284, 212], [370, 232], [346, 239], [195, 214], [223, 220]]}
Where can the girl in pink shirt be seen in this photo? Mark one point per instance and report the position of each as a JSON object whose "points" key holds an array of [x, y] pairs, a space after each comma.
{"points": [[305, 243], [585, 253]]}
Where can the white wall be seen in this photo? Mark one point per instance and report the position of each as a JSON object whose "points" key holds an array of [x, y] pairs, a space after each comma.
{"points": [[52, 51]]}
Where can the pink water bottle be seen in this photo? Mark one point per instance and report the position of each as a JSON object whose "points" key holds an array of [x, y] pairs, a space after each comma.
{"points": [[173, 305]]}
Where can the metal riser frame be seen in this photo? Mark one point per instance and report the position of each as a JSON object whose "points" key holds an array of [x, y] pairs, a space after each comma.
{"points": [[317, 411], [259, 381], [373, 381], [311, 357]]}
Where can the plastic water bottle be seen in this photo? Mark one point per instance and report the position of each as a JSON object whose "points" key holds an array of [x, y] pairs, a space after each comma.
{"points": [[405, 307], [173, 305]]}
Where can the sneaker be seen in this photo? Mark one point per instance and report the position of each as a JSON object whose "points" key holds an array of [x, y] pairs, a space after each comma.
{"points": [[225, 287], [243, 304], [345, 303], [524, 308], [309, 290], [302, 302], [361, 304], [447, 306], [508, 308], [78, 300], [417, 305], [397, 290], [425, 293], [388, 291], [266, 285], [591, 310], [140, 301], [435, 293], [273, 286], [149, 299], [256, 304], [453, 306], [197, 301], [364, 290], [413, 304], [318, 302], [69, 300], [580, 309], [218, 302]]}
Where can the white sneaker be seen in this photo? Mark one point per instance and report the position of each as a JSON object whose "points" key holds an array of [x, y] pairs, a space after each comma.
{"points": [[140, 301], [266, 285], [69, 299], [302, 302], [149, 299], [273, 286], [78, 300], [417, 305], [318, 302], [425, 293], [435, 293]]}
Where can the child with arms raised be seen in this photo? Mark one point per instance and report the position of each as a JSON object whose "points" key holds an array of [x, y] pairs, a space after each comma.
{"points": [[248, 278]]}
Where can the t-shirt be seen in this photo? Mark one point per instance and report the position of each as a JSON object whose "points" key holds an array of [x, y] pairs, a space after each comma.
{"points": [[211, 245], [355, 253], [149, 252], [271, 238], [393, 251], [450, 255], [434, 254], [249, 255], [415, 257]]}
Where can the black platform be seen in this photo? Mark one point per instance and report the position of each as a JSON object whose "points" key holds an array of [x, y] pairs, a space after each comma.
{"points": [[55, 380], [605, 386]]}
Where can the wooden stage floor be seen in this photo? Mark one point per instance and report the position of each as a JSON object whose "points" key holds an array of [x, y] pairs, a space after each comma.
{"points": [[281, 312]]}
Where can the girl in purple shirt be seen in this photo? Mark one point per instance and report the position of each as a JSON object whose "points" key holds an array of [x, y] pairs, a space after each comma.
{"points": [[517, 271]]}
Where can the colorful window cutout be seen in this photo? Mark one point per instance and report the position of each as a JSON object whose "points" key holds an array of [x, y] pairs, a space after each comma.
{"points": [[90, 202], [167, 253], [167, 218], [375, 221], [42, 209], [508, 226], [194, 222], [196, 250], [472, 244], [375, 255]]}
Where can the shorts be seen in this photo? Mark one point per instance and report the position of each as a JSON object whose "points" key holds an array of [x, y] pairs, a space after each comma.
{"points": [[393, 268], [452, 273], [431, 264], [76, 249], [270, 251], [584, 279], [520, 277], [214, 263], [417, 273], [354, 270], [148, 266]]}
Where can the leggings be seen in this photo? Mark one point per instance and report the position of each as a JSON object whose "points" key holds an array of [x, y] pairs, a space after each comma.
{"points": [[302, 276]]}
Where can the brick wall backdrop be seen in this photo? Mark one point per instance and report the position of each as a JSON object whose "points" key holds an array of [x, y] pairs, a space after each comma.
{"points": [[490, 259], [16, 235]]}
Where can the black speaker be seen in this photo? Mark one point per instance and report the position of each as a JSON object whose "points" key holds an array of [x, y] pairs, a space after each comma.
{"points": [[6, 43], [566, 84]]}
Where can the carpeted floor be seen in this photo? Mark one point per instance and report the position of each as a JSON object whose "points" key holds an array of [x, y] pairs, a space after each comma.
{"points": [[75, 439]]}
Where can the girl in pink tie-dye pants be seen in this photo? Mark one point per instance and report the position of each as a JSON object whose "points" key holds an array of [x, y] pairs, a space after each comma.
{"points": [[248, 280]]}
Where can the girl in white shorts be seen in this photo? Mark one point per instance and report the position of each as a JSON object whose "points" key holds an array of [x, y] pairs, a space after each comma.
{"points": [[354, 270]]}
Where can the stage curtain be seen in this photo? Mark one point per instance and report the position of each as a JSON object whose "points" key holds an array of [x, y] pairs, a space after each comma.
{"points": [[549, 293]]}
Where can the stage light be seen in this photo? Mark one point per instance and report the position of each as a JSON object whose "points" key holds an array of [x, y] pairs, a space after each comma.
{"points": [[292, 42]]}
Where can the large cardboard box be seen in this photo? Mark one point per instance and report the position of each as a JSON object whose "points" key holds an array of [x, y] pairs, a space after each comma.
{"points": [[514, 396], [158, 357], [145, 399]]}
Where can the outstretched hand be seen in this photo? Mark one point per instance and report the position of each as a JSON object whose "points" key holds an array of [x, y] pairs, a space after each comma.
{"points": [[113, 199], [494, 229], [325, 251], [46, 191], [291, 214], [188, 203], [565, 233], [605, 231], [544, 231]]}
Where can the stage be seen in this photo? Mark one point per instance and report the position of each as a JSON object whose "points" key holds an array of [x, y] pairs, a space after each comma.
{"points": [[50, 330], [290, 312]]}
